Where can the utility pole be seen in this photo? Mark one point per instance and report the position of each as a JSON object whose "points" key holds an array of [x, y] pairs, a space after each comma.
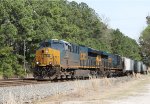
{"points": [[24, 60]]}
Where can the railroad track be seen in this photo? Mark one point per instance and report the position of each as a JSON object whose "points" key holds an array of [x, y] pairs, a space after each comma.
{"points": [[31, 81], [20, 82], [28, 81]]}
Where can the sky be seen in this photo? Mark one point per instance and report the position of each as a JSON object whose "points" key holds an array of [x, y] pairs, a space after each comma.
{"points": [[127, 15]]}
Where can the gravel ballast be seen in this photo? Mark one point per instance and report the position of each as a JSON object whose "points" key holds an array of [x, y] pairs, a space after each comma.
{"points": [[29, 93]]}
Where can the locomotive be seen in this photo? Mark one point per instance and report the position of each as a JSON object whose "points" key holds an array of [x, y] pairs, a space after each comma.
{"points": [[57, 59]]}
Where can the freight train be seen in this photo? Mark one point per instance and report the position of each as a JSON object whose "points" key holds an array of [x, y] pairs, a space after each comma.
{"points": [[56, 59]]}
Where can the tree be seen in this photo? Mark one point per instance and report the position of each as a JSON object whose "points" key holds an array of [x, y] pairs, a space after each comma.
{"points": [[148, 20], [125, 46], [145, 44]]}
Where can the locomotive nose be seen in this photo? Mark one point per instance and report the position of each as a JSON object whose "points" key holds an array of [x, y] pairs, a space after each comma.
{"points": [[43, 57], [47, 56]]}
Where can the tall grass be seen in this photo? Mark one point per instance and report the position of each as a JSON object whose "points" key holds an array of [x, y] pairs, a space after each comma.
{"points": [[80, 89]]}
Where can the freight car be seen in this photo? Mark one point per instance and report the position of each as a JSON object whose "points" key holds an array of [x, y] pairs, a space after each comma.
{"points": [[61, 59]]}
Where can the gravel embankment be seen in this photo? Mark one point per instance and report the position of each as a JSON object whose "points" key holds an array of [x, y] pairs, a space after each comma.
{"points": [[28, 93]]}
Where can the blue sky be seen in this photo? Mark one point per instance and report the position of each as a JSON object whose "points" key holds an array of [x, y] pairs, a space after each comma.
{"points": [[127, 15]]}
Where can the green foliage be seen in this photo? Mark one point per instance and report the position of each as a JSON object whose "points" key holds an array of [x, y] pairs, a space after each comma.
{"points": [[148, 20], [37, 20], [125, 46], [9, 65], [145, 44]]}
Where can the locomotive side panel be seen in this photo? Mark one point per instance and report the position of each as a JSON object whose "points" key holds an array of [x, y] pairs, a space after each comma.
{"points": [[94, 58], [83, 57], [116, 61], [69, 55], [74, 57]]}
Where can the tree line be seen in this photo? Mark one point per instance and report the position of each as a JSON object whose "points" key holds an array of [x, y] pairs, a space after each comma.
{"points": [[35, 20]]}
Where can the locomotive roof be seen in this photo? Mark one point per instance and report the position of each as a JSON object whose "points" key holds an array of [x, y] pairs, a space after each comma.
{"points": [[97, 52]]}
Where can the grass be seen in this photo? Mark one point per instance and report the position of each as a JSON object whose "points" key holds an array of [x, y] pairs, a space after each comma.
{"points": [[128, 88]]}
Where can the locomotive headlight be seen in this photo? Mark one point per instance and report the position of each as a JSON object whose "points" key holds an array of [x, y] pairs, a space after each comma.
{"points": [[37, 62], [46, 50]]}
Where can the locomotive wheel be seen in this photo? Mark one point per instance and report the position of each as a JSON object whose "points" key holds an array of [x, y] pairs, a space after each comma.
{"points": [[41, 73], [37, 73], [53, 73]]}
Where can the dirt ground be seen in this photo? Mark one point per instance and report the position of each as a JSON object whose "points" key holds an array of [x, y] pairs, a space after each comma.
{"points": [[135, 91]]}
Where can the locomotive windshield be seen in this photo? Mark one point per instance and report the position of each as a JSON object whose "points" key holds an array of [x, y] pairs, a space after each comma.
{"points": [[46, 44]]}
